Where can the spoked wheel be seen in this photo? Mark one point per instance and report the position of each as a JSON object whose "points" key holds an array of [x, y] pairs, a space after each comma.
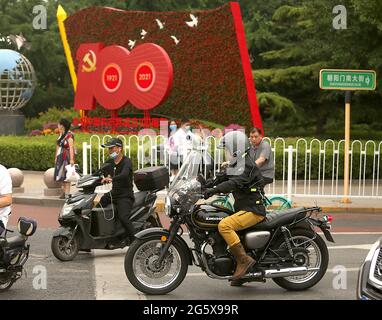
{"points": [[149, 276], [313, 254], [65, 249], [278, 203]]}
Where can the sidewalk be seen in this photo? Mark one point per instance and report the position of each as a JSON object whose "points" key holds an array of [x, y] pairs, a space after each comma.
{"points": [[34, 195]]}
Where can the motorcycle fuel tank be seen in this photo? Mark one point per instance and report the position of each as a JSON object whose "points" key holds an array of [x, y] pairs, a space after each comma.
{"points": [[208, 217]]}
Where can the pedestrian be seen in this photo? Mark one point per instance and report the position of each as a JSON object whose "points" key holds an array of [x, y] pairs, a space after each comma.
{"points": [[261, 152], [181, 142], [64, 155], [5, 197]]}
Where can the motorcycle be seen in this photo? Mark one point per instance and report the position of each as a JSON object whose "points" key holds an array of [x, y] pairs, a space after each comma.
{"points": [[14, 252], [85, 227], [285, 245]]}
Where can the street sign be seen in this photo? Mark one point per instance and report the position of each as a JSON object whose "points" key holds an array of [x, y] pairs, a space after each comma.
{"points": [[348, 80]]}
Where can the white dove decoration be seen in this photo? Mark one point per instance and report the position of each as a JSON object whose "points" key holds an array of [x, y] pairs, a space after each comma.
{"points": [[143, 33], [132, 44], [160, 24], [175, 40], [19, 41], [194, 21]]}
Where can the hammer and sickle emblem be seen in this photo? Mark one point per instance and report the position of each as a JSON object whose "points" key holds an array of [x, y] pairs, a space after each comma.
{"points": [[89, 62]]}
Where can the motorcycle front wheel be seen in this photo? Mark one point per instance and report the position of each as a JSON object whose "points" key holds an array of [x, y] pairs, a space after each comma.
{"points": [[144, 272], [65, 249]]}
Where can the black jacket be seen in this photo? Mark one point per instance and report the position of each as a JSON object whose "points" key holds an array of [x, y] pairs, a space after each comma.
{"points": [[122, 174], [245, 185]]}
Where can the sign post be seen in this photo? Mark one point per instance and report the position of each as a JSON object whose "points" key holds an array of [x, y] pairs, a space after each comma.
{"points": [[347, 80]]}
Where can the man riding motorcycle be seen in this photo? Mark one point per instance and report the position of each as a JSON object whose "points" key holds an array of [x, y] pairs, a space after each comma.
{"points": [[244, 180], [121, 174]]}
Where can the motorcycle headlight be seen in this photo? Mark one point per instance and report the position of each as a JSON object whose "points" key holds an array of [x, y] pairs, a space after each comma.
{"points": [[68, 208], [167, 206]]}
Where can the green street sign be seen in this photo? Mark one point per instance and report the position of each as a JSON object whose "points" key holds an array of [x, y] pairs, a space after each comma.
{"points": [[337, 79]]}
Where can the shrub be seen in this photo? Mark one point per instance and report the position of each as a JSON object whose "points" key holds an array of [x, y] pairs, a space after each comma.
{"points": [[49, 119]]}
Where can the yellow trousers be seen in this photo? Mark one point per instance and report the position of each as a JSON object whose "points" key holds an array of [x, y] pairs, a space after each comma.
{"points": [[236, 222]]}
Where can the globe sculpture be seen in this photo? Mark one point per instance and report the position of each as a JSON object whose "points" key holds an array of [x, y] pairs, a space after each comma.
{"points": [[17, 80]]}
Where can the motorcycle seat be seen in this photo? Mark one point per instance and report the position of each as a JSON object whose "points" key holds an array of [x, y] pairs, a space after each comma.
{"points": [[140, 198], [16, 242], [275, 219]]}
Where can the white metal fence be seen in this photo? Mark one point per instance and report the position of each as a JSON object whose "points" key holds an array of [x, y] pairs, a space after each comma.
{"points": [[303, 168]]}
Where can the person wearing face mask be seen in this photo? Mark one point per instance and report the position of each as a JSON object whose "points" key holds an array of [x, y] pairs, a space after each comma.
{"points": [[64, 155], [120, 173], [182, 140], [172, 149]]}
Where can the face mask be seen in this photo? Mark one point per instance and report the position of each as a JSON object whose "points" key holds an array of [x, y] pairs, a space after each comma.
{"points": [[173, 127], [188, 128], [114, 155]]}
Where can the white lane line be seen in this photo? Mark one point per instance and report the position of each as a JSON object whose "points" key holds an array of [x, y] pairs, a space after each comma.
{"points": [[354, 246], [111, 281], [355, 233]]}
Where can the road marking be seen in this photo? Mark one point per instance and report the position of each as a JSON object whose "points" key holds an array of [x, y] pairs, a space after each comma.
{"points": [[354, 246], [355, 233], [111, 281], [73, 271]]}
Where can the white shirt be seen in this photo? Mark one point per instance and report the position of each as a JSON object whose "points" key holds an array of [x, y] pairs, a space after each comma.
{"points": [[182, 141], [5, 188]]}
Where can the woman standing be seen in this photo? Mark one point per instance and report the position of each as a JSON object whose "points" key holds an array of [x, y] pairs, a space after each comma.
{"points": [[64, 155]]}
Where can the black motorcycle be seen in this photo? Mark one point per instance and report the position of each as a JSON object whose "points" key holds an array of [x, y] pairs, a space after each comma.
{"points": [[14, 252], [85, 226], [285, 245]]}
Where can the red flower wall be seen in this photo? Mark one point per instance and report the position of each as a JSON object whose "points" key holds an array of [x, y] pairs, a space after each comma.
{"points": [[209, 82]]}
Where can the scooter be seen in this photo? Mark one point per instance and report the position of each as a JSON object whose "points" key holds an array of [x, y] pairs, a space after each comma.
{"points": [[85, 226], [14, 252]]}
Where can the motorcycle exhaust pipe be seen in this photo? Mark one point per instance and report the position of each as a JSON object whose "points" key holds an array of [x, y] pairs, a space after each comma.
{"points": [[287, 272]]}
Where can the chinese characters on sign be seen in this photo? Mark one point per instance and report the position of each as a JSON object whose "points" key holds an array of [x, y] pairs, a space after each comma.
{"points": [[117, 125], [347, 80]]}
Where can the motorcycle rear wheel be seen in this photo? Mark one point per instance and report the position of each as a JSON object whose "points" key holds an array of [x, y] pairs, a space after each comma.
{"points": [[322, 261]]}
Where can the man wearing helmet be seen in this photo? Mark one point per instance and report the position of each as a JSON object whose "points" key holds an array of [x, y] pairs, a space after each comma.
{"points": [[244, 180]]}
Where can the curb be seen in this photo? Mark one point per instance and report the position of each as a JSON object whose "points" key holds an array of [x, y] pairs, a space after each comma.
{"points": [[36, 201]]}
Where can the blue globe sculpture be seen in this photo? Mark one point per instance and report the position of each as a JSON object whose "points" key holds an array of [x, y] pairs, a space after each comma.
{"points": [[17, 80]]}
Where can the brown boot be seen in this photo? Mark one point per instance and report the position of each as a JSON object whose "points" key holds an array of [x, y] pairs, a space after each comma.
{"points": [[237, 283], [243, 262]]}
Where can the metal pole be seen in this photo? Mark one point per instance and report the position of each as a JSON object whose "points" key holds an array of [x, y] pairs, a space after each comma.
{"points": [[290, 172], [84, 158], [346, 199]]}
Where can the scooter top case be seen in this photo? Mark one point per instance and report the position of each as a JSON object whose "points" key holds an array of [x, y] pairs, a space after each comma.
{"points": [[151, 178]]}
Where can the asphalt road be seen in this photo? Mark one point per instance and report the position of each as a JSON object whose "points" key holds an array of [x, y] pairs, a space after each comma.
{"points": [[100, 275]]}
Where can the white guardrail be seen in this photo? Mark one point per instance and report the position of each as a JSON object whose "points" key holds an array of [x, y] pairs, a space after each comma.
{"points": [[305, 168]]}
